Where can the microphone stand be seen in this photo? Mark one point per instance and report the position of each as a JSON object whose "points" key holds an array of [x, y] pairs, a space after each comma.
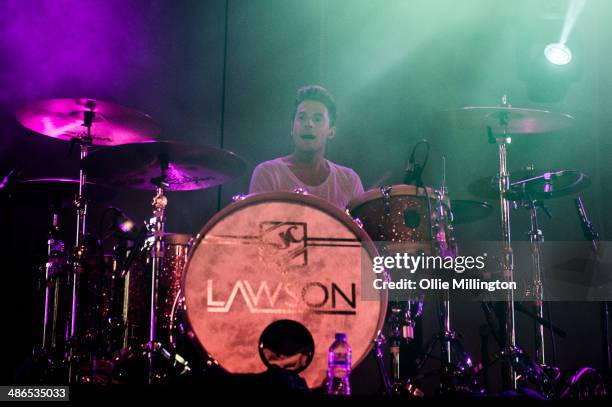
{"points": [[604, 311]]}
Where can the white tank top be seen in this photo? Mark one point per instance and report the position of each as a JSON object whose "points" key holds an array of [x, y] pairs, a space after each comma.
{"points": [[341, 186]]}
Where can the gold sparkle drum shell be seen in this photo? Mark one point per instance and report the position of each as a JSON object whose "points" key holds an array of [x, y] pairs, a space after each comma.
{"points": [[281, 256], [398, 216]]}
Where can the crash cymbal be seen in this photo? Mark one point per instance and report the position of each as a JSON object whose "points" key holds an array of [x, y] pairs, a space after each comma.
{"points": [[57, 189], [189, 166], [111, 124], [518, 120], [533, 184], [467, 211]]}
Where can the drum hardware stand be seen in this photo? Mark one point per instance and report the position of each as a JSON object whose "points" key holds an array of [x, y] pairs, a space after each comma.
{"points": [[544, 322], [448, 339], [55, 253], [519, 361], [604, 311], [514, 357], [80, 203], [536, 237], [490, 329], [402, 329], [53, 269], [115, 331], [509, 343], [160, 201], [454, 377], [176, 361], [446, 335], [485, 331], [115, 325], [123, 258], [380, 363]]}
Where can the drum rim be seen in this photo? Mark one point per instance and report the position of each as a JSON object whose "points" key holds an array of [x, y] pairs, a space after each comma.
{"points": [[396, 190], [282, 196]]}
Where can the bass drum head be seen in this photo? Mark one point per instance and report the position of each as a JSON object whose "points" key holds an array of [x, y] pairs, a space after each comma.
{"points": [[281, 256]]}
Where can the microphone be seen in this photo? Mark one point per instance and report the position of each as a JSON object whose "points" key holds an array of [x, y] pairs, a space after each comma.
{"points": [[9, 178], [413, 170], [123, 226], [587, 228]]}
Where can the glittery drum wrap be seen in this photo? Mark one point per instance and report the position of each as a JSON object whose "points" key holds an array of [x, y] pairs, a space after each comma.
{"points": [[384, 219], [280, 256], [136, 290]]}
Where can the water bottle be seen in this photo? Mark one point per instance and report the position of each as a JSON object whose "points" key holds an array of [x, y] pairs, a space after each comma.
{"points": [[339, 366]]}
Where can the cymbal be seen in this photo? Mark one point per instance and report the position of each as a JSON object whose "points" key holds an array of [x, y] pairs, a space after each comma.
{"points": [[467, 211], [519, 120], [533, 184], [54, 189], [189, 166], [111, 125]]}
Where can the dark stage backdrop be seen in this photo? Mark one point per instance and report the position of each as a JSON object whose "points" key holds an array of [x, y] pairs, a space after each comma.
{"points": [[225, 73]]}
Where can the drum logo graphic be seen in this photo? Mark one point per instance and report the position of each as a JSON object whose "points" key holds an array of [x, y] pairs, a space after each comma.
{"points": [[284, 243], [283, 247]]}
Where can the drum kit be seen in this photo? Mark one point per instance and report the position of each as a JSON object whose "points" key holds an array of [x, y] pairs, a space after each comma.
{"points": [[270, 279]]}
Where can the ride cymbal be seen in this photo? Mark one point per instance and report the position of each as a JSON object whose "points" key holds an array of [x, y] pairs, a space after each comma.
{"points": [[111, 124], [499, 118]]}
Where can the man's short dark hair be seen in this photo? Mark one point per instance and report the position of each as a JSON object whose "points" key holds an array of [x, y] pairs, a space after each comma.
{"points": [[320, 94]]}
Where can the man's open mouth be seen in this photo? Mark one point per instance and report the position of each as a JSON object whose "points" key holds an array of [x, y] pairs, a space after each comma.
{"points": [[308, 137]]}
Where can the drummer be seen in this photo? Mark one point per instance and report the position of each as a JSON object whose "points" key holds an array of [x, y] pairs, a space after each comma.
{"points": [[314, 125]]}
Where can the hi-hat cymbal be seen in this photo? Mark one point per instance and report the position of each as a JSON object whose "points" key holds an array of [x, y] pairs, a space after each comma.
{"points": [[533, 184], [517, 120], [467, 211], [111, 124], [189, 166], [57, 189]]}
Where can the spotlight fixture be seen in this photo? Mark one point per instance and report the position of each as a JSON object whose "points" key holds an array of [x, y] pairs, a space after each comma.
{"points": [[558, 53]]}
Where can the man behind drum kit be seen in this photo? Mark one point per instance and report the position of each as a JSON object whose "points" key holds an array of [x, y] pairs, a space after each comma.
{"points": [[314, 121]]}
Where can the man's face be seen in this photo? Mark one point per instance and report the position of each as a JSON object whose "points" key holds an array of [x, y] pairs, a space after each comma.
{"points": [[311, 126]]}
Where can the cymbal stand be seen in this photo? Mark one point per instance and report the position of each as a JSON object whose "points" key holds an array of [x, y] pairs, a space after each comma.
{"points": [[516, 360], [160, 201], [444, 249], [502, 141], [536, 237], [80, 203]]}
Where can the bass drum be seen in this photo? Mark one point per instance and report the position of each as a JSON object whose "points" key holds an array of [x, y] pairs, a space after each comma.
{"points": [[274, 257]]}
